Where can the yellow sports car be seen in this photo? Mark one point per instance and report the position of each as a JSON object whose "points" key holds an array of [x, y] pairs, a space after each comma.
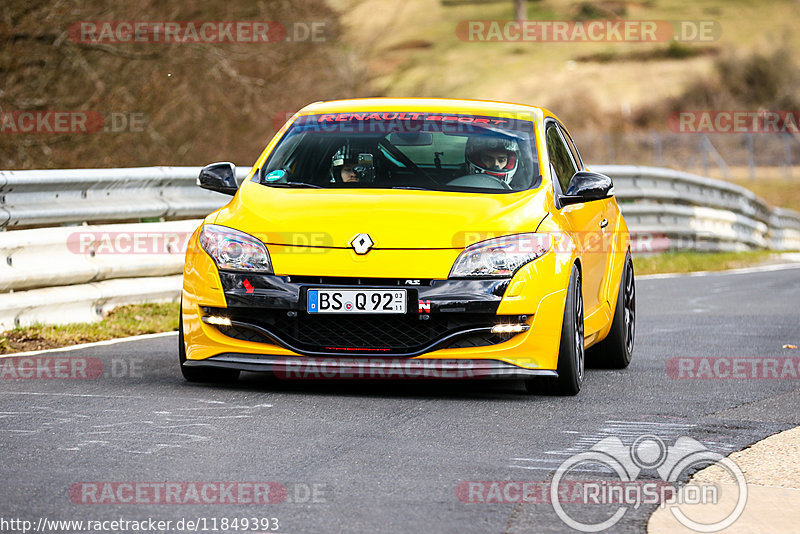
{"points": [[411, 238]]}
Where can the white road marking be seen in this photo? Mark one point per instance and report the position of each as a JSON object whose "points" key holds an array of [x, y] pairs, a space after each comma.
{"points": [[89, 345], [74, 395]]}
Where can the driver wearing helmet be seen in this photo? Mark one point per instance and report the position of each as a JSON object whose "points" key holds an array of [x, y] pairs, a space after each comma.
{"points": [[352, 165], [494, 156]]}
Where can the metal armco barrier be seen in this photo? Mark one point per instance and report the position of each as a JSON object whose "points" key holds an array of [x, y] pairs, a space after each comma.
{"points": [[83, 302], [56, 197], [68, 255], [697, 213], [58, 273]]}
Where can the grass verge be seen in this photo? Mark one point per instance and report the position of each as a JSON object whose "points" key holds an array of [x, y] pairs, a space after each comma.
{"points": [[686, 262], [123, 321], [139, 319]]}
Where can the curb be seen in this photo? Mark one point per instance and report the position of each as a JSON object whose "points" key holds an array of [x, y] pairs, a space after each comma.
{"points": [[773, 491]]}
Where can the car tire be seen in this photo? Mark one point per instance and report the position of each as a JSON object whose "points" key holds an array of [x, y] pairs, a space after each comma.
{"points": [[201, 374], [616, 350], [571, 352]]}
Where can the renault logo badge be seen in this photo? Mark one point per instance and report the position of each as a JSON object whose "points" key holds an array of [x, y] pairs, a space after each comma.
{"points": [[361, 243]]}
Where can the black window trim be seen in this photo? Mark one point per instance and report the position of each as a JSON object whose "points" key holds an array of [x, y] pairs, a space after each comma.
{"points": [[557, 192], [571, 143]]}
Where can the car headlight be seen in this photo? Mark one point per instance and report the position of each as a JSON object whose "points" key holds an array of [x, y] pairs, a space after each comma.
{"points": [[235, 250], [500, 257]]}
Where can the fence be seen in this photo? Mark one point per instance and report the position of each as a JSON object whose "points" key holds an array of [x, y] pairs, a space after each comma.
{"points": [[740, 156]]}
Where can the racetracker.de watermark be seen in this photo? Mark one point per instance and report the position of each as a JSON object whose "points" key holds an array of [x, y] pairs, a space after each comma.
{"points": [[734, 368], [68, 368], [249, 523], [71, 122], [101, 243], [599, 241], [592, 31], [735, 121], [378, 368], [197, 32], [199, 492]]}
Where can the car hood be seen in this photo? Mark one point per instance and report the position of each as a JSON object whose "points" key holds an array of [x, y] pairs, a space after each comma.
{"points": [[394, 219]]}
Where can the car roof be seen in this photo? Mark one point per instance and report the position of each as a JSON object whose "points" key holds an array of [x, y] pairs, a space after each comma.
{"points": [[433, 105]]}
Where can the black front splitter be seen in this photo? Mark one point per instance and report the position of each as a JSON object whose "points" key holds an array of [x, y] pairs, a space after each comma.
{"points": [[301, 367]]}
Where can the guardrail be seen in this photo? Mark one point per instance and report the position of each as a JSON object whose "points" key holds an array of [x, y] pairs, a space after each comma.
{"points": [[56, 197], [62, 273], [698, 213]]}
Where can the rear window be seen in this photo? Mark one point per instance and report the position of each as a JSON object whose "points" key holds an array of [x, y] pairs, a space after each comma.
{"points": [[405, 151]]}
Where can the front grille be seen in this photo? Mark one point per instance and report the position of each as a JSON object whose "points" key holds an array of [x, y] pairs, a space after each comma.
{"points": [[244, 334], [478, 340], [368, 334]]}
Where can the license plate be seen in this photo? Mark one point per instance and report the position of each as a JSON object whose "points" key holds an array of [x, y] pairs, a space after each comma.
{"points": [[356, 301]]}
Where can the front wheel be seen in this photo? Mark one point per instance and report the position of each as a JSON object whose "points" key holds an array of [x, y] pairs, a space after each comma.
{"points": [[571, 352], [616, 350]]}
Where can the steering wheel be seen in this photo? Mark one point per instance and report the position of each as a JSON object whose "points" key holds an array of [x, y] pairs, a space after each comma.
{"points": [[486, 181], [391, 149]]}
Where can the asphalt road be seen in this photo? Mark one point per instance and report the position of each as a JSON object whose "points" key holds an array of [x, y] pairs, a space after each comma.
{"points": [[389, 456]]}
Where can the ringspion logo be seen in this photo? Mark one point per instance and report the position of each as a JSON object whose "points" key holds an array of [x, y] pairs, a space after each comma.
{"points": [[627, 464], [624, 477]]}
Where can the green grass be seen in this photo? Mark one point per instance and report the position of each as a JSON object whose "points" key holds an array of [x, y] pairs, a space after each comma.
{"points": [[685, 262], [123, 321]]}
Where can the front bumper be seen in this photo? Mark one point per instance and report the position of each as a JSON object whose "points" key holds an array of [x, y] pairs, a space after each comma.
{"points": [[291, 367], [461, 305]]}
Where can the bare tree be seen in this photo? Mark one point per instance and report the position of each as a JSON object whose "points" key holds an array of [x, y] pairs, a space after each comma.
{"points": [[520, 9]]}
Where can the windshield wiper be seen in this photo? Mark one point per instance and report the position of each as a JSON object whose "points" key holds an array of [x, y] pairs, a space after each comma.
{"points": [[410, 187], [292, 184]]}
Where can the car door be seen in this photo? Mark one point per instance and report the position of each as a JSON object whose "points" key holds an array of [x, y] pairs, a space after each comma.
{"points": [[611, 213], [584, 220]]}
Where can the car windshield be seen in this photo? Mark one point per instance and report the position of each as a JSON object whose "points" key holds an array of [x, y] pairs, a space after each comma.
{"points": [[426, 151]]}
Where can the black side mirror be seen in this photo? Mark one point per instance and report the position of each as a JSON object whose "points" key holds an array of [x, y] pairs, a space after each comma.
{"points": [[219, 177], [587, 186]]}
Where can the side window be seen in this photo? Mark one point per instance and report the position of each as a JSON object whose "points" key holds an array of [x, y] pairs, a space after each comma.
{"points": [[572, 148], [560, 160]]}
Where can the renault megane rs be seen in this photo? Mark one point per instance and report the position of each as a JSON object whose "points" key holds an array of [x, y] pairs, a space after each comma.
{"points": [[411, 237]]}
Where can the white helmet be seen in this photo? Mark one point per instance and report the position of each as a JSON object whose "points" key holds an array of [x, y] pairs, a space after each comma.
{"points": [[476, 149]]}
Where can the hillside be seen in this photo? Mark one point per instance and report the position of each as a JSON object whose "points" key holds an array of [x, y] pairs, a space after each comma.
{"points": [[159, 103], [188, 103], [412, 47]]}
